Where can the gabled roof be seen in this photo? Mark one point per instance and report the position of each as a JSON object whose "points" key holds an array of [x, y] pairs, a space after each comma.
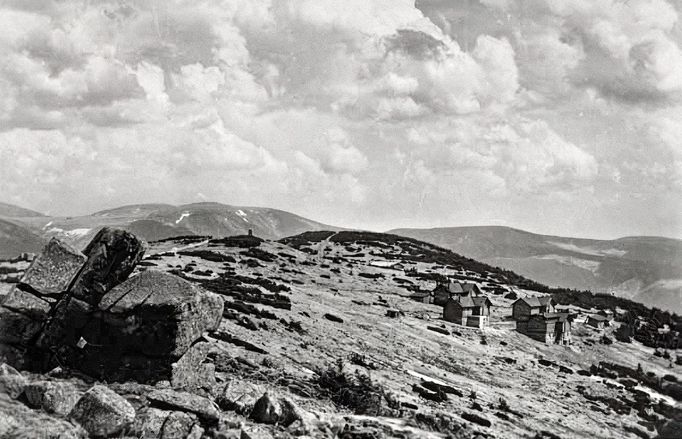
{"points": [[455, 288], [420, 294], [468, 287], [472, 302], [482, 300], [536, 302]]}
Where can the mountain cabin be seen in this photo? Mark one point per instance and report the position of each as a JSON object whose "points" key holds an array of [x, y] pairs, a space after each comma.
{"points": [[550, 328], [422, 296], [597, 321], [468, 311], [455, 290], [526, 307]]}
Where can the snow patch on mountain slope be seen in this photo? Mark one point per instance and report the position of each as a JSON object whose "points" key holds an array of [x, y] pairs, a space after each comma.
{"points": [[182, 217], [588, 250]]}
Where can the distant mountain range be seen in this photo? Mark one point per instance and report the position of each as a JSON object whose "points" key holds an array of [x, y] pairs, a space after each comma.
{"points": [[25, 230], [642, 268]]}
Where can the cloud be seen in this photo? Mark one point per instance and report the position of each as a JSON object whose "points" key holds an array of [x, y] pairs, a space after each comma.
{"points": [[360, 112]]}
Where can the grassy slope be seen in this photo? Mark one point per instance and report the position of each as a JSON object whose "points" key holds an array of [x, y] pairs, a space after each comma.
{"points": [[323, 272]]}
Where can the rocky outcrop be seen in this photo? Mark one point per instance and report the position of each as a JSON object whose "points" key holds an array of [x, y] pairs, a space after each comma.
{"points": [[26, 309], [82, 311], [103, 412], [143, 328]]}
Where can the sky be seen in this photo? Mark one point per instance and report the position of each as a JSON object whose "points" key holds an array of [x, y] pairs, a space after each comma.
{"points": [[551, 116]]}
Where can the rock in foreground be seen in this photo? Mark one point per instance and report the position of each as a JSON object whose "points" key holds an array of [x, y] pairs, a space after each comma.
{"points": [[103, 412], [147, 324]]}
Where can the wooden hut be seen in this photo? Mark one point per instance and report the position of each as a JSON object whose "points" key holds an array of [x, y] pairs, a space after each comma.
{"points": [[550, 328], [468, 311], [422, 296], [523, 309], [455, 290], [597, 321]]}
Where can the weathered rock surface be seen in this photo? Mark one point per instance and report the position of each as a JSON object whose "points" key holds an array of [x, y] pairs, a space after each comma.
{"points": [[103, 412], [169, 399], [155, 423], [112, 256], [191, 373], [272, 410], [53, 270], [22, 316], [170, 312], [18, 421], [25, 310], [143, 327], [12, 383], [53, 397], [239, 396]]}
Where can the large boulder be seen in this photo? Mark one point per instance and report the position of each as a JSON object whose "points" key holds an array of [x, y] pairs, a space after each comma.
{"points": [[112, 256], [144, 326], [103, 412], [53, 270]]}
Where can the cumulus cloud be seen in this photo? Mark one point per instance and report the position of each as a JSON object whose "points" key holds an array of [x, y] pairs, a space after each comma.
{"points": [[350, 112]]}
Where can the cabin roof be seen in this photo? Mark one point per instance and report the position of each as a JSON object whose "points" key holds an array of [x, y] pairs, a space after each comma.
{"points": [[472, 302], [536, 302], [420, 294]]}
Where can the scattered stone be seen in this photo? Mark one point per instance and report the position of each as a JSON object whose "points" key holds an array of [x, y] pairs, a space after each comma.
{"points": [[154, 423], [103, 412], [18, 421], [271, 410], [267, 410], [238, 396], [12, 382], [53, 270], [168, 399], [51, 396]]}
